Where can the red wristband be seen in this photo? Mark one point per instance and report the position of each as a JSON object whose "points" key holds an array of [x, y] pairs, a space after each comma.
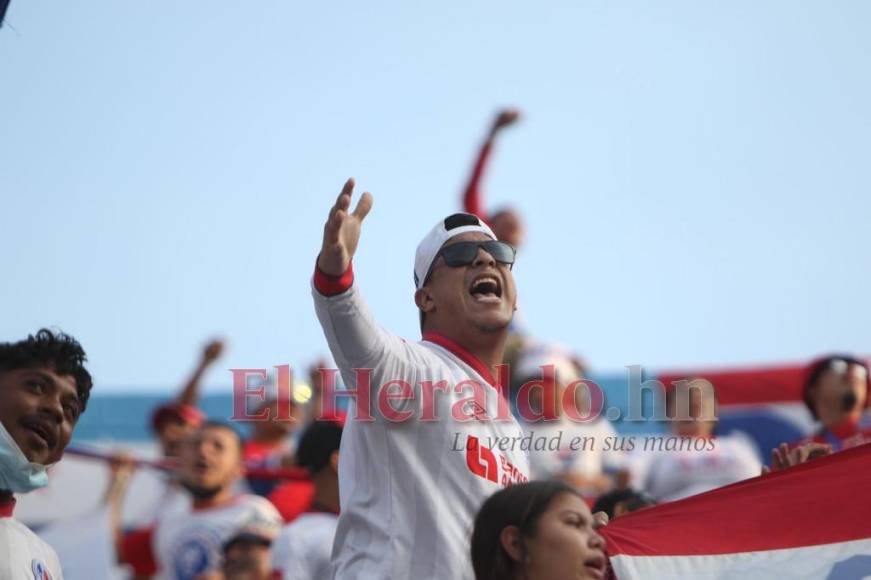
{"points": [[332, 285]]}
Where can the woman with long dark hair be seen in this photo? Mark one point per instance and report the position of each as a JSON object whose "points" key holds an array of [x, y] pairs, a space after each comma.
{"points": [[541, 530]]}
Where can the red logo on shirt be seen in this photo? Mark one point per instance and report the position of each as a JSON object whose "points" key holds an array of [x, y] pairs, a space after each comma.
{"points": [[481, 460]]}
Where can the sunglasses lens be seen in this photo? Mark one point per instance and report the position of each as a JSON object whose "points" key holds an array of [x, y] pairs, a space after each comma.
{"points": [[500, 251], [464, 253], [460, 254]]}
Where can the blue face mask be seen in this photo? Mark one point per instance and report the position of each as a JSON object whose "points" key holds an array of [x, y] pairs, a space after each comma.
{"points": [[17, 474]]}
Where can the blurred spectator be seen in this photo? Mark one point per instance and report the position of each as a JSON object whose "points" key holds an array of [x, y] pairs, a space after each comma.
{"points": [[171, 423], [247, 554], [316, 382], [584, 466], [185, 545], [302, 549], [270, 444], [692, 460], [506, 222], [836, 394], [537, 531], [173, 420]]}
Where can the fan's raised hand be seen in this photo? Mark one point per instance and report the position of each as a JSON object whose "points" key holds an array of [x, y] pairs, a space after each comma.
{"points": [[342, 231]]}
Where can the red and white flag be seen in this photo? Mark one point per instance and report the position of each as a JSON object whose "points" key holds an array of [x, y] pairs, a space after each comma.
{"points": [[809, 521]]}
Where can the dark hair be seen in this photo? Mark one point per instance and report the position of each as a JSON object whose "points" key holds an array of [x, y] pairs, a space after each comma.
{"points": [[318, 443], [821, 365], [632, 500], [249, 538], [54, 349], [215, 424], [518, 505]]}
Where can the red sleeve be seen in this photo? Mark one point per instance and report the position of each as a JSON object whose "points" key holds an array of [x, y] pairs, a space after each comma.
{"points": [[136, 550], [472, 202], [333, 285]]}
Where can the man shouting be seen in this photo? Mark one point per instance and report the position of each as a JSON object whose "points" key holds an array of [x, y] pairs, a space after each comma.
{"points": [[412, 478]]}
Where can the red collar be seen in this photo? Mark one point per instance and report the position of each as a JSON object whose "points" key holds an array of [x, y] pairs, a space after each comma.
{"points": [[845, 428], [461, 353], [6, 508]]}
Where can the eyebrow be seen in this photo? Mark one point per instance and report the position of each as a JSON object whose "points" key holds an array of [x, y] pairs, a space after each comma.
{"points": [[43, 375], [71, 395]]}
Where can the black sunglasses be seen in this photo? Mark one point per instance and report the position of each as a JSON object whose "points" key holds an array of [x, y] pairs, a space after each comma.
{"points": [[464, 253]]}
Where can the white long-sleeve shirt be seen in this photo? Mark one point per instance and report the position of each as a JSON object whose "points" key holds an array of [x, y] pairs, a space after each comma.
{"points": [[409, 490]]}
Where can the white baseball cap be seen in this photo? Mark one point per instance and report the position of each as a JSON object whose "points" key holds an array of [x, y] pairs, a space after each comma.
{"points": [[429, 246]]}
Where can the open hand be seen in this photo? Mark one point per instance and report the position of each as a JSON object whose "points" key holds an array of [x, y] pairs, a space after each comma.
{"points": [[213, 350], [342, 231], [504, 118], [782, 456]]}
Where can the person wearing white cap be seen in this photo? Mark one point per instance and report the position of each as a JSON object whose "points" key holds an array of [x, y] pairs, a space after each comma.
{"points": [[409, 488]]}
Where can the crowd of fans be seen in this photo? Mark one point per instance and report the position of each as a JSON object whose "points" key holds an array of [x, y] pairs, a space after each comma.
{"points": [[305, 498]]}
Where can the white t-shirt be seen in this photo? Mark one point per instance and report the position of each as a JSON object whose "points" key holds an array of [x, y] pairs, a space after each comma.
{"points": [[671, 475], [410, 490], [302, 549], [186, 545], [23, 555], [568, 447]]}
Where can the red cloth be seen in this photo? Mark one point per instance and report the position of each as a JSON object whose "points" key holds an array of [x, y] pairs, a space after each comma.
{"points": [[293, 498], [136, 551], [818, 502], [472, 197], [746, 386], [6, 508]]}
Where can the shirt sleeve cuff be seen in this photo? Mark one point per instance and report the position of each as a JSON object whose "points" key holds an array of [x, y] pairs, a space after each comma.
{"points": [[328, 285]]}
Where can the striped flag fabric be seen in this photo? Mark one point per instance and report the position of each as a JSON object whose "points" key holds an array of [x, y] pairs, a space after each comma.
{"points": [[764, 402], [812, 521]]}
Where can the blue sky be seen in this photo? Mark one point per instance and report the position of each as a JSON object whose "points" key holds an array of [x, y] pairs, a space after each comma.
{"points": [[694, 175]]}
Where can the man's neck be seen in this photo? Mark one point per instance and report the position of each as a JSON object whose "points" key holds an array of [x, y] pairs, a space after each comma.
{"points": [[839, 418], [327, 490], [5, 496], [487, 347], [222, 497]]}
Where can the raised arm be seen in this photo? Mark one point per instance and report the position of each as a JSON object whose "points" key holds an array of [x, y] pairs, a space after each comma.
{"points": [[355, 340], [190, 394], [472, 197]]}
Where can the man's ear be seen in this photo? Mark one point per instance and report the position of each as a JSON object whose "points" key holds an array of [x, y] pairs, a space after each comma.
{"points": [[424, 300], [334, 461], [512, 543]]}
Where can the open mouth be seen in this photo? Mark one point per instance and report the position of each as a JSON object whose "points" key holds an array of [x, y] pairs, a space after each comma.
{"points": [[201, 467], [42, 431], [596, 567], [486, 287]]}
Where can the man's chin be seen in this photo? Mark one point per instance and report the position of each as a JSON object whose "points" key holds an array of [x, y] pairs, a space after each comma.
{"points": [[38, 454], [201, 491], [492, 324]]}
